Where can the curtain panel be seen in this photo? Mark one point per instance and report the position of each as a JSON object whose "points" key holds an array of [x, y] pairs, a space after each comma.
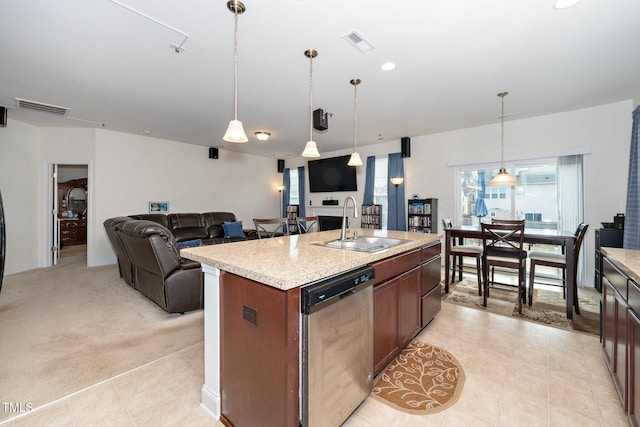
{"points": [[397, 219], [301, 189], [370, 179], [632, 211], [285, 194]]}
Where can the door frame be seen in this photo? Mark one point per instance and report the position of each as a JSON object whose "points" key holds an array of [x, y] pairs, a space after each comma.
{"points": [[50, 197]]}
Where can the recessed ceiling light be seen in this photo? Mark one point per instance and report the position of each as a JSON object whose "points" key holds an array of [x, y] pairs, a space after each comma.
{"points": [[388, 66], [147, 132], [565, 4]]}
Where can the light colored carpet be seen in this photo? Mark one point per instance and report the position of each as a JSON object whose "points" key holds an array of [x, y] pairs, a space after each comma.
{"points": [[422, 379], [548, 307], [68, 327]]}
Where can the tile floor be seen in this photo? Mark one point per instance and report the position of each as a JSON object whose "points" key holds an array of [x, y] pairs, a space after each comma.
{"points": [[517, 374]]}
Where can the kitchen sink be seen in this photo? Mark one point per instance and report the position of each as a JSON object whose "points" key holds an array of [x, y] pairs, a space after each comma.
{"points": [[365, 243]]}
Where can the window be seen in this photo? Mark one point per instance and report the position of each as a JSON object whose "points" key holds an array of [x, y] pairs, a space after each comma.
{"points": [[294, 198], [380, 189], [537, 199]]}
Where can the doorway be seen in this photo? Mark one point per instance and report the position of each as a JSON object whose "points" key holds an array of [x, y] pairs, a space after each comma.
{"points": [[69, 212]]}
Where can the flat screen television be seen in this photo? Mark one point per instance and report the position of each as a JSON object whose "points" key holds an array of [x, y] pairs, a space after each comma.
{"points": [[332, 174]]}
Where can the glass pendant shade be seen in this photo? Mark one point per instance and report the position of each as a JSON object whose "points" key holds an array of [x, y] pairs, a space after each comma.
{"points": [[503, 179], [355, 160], [235, 132], [311, 150]]}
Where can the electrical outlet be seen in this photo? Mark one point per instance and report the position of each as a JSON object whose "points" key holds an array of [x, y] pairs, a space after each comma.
{"points": [[250, 315]]}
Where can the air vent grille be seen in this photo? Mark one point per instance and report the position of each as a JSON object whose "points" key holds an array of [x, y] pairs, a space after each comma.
{"points": [[358, 41], [42, 107]]}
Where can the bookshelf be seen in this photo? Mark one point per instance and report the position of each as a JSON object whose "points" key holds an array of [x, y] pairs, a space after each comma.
{"points": [[422, 215], [371, 216], [292, 215]]}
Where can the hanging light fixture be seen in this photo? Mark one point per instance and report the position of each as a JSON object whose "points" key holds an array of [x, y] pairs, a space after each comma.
{"points": [[503, 178], [355, 159], [310, 148], [235, 131], [262, 135]]}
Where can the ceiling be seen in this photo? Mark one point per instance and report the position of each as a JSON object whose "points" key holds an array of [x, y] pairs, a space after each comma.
{"points": [[114, 68]]}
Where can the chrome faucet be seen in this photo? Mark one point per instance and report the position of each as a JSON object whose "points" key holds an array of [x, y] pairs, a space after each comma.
{"points": [[345, 227]]}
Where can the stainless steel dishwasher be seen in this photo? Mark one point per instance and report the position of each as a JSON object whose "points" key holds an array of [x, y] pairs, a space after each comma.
{"points": [[337, 347]]}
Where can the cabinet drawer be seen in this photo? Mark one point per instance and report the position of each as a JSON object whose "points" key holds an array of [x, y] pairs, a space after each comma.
{"points": [[390, 267], [431, 272], [432, 251], [633, 299], [431, 305], [617, 279]]}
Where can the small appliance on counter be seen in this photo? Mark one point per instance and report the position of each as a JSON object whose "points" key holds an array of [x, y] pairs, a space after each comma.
{"points": [[618, 222]]}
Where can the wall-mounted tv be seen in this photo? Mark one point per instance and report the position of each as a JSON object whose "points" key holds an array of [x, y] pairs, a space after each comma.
{"points": [[332, 174]]}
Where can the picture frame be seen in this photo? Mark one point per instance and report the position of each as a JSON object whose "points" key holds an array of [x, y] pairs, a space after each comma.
{"points": [[158, 207]]}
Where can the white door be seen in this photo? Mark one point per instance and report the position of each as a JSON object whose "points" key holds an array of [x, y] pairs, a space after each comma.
{"points": [[54, 221]]}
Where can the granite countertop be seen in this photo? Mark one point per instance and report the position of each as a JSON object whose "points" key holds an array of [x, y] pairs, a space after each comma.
{"points": [[291, 261], [628, 260]]}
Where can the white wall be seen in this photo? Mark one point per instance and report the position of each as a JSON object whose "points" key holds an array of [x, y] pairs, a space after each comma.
{"points": [[125, 173], [20, 184], [604, 131]]}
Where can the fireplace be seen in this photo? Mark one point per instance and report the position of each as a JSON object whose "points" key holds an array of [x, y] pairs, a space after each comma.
{"points": [[330, 222]]}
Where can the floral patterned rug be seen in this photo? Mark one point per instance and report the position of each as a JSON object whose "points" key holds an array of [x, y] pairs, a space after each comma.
{"points": [[423, 379]]}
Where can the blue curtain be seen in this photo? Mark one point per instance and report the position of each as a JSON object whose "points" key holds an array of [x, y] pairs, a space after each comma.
{"points": [[301, 211], [480, 209], [285, 194], [369, 182], [396, 214], [632, 213]]}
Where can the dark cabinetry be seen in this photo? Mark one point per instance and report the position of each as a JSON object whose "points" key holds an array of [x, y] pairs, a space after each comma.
{"points": [[422, 215], [621, 335], [406, 297], [605, 237], [72, 210]]}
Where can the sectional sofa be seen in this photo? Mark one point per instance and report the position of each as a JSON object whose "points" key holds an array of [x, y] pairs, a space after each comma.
{"points": [[147, 247]]}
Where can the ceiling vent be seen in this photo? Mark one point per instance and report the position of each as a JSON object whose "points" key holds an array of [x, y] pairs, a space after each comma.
{"points": [[25, 104], [358, 41]]}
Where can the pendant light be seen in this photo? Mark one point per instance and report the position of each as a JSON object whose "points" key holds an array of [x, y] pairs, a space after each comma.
{"points": [[310, 148], [355, 159], [503, 178], [235, 131]]}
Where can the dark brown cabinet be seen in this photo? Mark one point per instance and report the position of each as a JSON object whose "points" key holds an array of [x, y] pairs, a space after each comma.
{"points": [[72, 209], [73, 232], [621, 334], [406, 297]]}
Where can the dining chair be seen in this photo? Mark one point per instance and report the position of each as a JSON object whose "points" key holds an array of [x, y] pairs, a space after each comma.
{"points": [[308, 224], [458, 252], [558, 260], [503, 247], [271, 227]]}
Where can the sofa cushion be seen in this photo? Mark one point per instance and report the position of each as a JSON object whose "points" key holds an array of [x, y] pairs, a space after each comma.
{"points": [[233, 229], [214, 221], [190, 243]]}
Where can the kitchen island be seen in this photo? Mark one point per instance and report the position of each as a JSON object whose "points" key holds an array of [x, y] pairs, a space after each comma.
{"points": [[252, 313]]}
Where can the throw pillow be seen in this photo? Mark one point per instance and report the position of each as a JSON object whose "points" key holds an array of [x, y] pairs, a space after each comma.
{"points": [[233, 229], [190, 243]]}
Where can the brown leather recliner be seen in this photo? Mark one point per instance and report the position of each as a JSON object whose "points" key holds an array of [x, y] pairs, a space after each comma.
{"points": [[161, 275], [124, 262], [187, 226]]}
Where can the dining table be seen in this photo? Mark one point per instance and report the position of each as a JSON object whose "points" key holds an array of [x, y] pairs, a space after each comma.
{"points": [[565, 239]]}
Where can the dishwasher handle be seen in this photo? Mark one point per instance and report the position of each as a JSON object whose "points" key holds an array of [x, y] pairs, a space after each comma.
{"points": [[328, 291]]}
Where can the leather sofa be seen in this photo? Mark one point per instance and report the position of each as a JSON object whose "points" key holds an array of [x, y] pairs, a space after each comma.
{"points": [[204, 226], [158, 271], [141, 267]]}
